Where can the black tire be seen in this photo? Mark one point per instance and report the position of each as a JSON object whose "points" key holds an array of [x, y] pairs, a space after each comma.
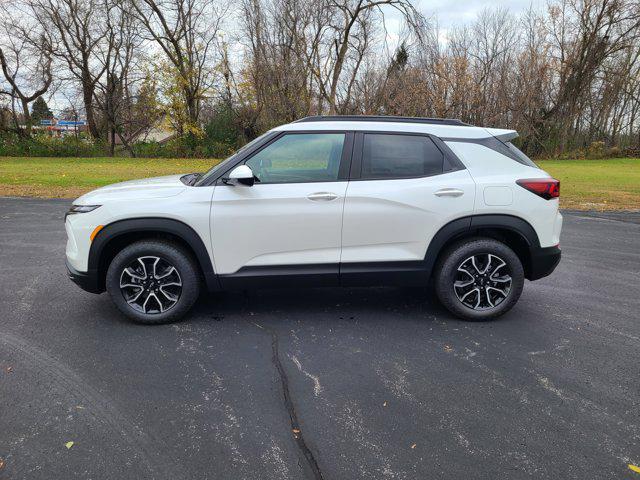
{"points": [[451, 283], [166, 303]]}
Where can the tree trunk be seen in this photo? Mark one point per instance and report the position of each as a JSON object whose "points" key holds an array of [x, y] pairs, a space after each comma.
{"points": [[26, 116], [192, 106], [87, 96], [128, 146], [112, 143]]}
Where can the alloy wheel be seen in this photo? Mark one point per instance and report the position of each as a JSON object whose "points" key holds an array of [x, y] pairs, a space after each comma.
{"points": [[151, 285], [483, 281]]}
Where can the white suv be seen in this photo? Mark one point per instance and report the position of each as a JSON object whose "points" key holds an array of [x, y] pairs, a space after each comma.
{"points": [[327, 201]]}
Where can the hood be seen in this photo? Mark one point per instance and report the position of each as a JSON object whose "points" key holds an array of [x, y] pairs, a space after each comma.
{"points": [[146, 188]]}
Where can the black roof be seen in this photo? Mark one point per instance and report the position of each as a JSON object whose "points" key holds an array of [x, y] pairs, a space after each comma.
{"points": [[382, 118]]}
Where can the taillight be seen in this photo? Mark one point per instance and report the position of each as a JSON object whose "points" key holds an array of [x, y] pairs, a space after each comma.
{"points": [[546, 188]]}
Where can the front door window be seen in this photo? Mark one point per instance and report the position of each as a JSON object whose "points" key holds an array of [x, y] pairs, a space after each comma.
{"points": [[299, 158]]}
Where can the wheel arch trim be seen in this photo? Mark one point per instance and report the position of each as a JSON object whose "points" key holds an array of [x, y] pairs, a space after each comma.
{"points": [[466, 225], [153, 225]]}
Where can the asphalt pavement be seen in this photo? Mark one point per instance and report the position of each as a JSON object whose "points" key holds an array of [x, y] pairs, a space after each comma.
{"points": [[321, 383]]}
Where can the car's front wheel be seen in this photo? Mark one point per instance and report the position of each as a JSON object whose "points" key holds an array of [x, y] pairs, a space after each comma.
{"points": [[152, 281], [478, 279]]}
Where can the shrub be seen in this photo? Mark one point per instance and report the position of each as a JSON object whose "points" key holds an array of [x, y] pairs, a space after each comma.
{"points": [[14, 145], [184, 148], [596, 150]]}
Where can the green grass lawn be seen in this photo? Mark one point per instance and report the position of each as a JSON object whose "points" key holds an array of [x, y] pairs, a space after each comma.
{"points": [[71, 177], [612, 184]]}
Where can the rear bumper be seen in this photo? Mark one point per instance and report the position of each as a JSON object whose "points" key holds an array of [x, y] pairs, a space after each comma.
{"points": [[88, 281], [543, 262]]}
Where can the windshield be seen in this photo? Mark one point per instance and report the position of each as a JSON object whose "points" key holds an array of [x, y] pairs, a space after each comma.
{"points": [[222, 165]]}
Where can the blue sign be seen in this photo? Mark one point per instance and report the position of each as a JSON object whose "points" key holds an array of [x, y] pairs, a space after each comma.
{"points": [[71, 123], [46, 122]]}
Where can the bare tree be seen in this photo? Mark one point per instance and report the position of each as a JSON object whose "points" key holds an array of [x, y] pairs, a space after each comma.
{"points": [[585, 34], [280, 79], [25, 59], [79, 27], [564, 76], [187, 32], [338, 38], [115, 87]]}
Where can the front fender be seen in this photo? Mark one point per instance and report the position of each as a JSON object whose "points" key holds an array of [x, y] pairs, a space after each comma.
{"points": [[116, 230]]}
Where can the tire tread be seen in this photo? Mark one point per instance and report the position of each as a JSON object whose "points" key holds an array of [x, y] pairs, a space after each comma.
{"points": [[449, 262]]}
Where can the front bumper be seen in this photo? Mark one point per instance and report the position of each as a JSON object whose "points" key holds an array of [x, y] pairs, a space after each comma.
{"points": [[88, 281], [543, 262]]}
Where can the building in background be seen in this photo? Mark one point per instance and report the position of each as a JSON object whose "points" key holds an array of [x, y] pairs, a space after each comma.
{"points": [[61, 128]]}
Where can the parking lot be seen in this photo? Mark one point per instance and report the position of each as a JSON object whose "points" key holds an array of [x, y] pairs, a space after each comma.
{"points": [[321, 383]]}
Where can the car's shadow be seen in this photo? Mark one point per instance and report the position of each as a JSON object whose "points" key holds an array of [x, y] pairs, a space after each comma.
{"points": [[318, 304], [340, 303]]}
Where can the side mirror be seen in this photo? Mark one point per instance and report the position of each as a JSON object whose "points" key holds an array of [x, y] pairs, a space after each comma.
{"points": [[241, 174]]}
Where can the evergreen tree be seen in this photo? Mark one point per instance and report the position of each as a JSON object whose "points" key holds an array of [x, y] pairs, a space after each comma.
{"points": [[399, 61], [40, 111]]}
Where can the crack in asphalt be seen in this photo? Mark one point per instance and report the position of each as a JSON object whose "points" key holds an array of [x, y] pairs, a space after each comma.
{"points": [[288, 403]]}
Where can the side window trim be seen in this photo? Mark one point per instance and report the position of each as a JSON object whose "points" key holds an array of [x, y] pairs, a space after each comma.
{"points": [[451, 163], [345, 159], [356, 159]]}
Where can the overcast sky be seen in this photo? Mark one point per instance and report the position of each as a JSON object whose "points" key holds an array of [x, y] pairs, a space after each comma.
{"points": [[451, 13], [455, 12]]}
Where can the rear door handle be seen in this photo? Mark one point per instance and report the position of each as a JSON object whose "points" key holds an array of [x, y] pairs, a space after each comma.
{"points": [[449, 192], [322, 196]]}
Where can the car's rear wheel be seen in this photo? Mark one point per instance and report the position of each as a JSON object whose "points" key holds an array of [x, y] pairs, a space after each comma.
{"points": [[479, 279], [153, 281]]}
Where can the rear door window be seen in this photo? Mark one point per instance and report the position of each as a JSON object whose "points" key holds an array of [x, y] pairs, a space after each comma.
{"points": [[388, 156]]}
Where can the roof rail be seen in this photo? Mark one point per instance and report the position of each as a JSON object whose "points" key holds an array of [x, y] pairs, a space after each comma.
{"points": [[382, 118]]}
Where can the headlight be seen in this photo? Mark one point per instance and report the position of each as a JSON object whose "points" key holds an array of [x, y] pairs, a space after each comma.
{"points": [[80, 209]]}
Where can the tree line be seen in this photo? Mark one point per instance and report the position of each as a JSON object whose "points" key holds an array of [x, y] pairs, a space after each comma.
{"points": [[216, 71]]}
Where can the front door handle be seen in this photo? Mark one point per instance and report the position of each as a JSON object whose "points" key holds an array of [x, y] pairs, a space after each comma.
{"points": [[322, 196], [449, 192]]}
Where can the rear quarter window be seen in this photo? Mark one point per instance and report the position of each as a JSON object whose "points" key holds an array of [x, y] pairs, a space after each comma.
{"points": [[505, 149], [518, 156], [481, 159]]}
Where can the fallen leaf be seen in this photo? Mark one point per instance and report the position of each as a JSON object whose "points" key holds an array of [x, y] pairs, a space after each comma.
{"points": [[295, 430], [68, 445], [447, 348], [413, 446], [9, 369], [384, 404], [633, 468], [1, 464]]}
